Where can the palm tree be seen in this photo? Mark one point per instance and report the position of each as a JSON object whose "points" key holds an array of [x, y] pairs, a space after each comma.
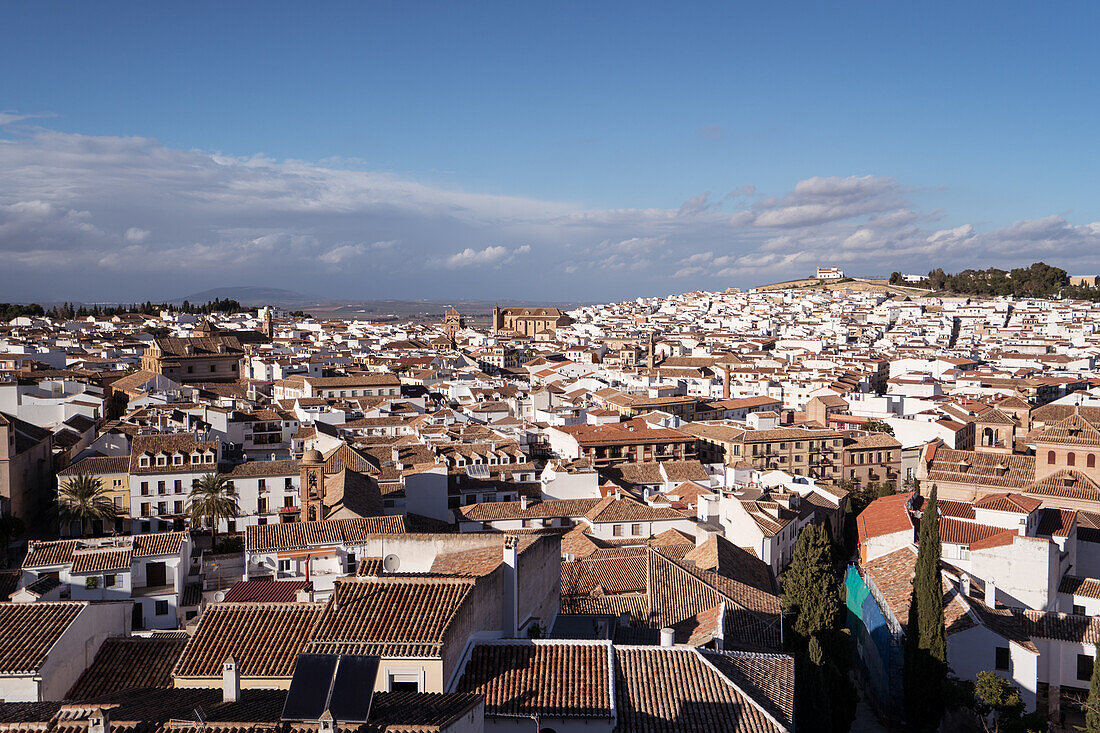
{"points": [[84, 498], [212, 499]]}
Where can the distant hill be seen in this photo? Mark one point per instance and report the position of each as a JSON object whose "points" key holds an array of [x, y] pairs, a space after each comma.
{"points": [[249, 295]]}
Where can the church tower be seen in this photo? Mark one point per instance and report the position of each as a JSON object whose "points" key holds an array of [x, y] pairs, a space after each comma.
{"points": [[312, 486]]}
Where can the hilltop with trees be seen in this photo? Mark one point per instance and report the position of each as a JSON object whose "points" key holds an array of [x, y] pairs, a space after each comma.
{"points": [[1038, 280]]}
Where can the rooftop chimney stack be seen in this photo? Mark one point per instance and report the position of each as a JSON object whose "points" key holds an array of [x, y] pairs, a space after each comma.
{"points": [[991, 593], [231, 681], [510, 596], [964, 586], [99, 721], [668, 637], [523, 502]]}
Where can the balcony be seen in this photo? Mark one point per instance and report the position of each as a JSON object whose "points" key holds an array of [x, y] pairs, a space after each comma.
{"points": [[144, 591]]}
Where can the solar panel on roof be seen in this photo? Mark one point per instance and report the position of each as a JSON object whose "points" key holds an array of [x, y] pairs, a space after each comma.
{"points": [[343, 684], [309, 688], [353, 688]]}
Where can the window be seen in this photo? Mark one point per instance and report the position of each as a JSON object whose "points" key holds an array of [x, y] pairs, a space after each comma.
{"points": [[1050, 458], [1090, 462], [262, 505], [1071, 459], [177, 460], [177, 486], [288, 484], [232, 526], [288, 501], [162, 608], [109, 580], [635, 529], [161, 487], [162, 460], [144, 510], [1078, 610], [190, 369], [284, 566], [1084, 667], [144, 461], [177, 507], [208, 458], [1002, 658], [213, 367], [162, 508], [196, 458], [617, 530], [406, 681], [263, 484], [145, 488]]}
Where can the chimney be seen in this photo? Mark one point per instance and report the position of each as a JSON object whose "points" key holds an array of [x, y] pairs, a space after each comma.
{"points": [[991, 593], [726, 384], [326, 724], [304, 594], [99, 721], [523, 502], [964, 586], [510, 596], [231, 681], [668, 637]]}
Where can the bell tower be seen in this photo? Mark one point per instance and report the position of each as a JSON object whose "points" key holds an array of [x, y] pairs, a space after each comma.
{"points": [[312, 486]]}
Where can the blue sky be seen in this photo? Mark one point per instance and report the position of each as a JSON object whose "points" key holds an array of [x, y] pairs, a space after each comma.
{"points": [[554, 151]]}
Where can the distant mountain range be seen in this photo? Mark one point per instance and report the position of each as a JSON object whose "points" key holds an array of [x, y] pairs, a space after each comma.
{"points": [[250, 295]]}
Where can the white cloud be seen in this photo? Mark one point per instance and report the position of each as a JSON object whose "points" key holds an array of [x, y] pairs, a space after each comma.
{"points": [[294, 224], [492, 255], [135, 235]]}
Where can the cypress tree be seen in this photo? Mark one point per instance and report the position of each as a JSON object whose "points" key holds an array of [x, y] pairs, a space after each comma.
{"points": [[810, 589], [926, 635], [1092, 707]]}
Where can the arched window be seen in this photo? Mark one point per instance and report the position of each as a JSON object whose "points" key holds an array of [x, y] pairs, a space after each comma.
{"points": [[1090, 462], [1071, 460], [987, 436], [1050, 458]]}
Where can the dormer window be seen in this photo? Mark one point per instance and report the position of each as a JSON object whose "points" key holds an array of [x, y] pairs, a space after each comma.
{"points": [[196, 458], [144, 461], [208, 458], [964, 466], [177, 460], [162, 460]]}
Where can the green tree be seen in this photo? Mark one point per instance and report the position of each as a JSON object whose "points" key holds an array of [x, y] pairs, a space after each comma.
{"points": [[885, 489], [925, 671], [212, 500], [83, 498], [1000, 708], [895, 278], [878, 426], [811, 593], [1092, 706], [822, 649]]}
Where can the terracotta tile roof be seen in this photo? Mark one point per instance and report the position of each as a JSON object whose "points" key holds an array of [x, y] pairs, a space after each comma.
{"points": [[982, 469], [124, 663], [1055, 522], [1014, 503], [625, 509], [300, 535], [1066, 483], [552, 679], [730, 561], [171, 444], [263, 468], [960, 532], [494, 510], [883, 516], [1074, 430], [160, 543], [40, 554], [98, 466], [264, 638], [392, 609], [29, 630], [1077, 586], [98, 561], [612, 575], [665, 690], [893, 575]]}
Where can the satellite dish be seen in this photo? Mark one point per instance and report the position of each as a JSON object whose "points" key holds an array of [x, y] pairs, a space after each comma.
{"points": [[391, 563], [219, 596]]}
